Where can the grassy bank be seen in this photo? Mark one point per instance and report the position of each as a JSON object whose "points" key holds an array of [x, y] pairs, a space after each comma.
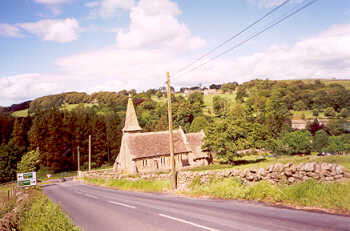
{"points": [[137, 185], [43, 214], [310, 194]]}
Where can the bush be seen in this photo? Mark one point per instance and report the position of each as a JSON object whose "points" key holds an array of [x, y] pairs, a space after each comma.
{"points": [[329, 112], [30, 162], [344, 112], [297, 142]]}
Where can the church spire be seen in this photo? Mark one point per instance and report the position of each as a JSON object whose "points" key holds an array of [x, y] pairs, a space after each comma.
{"points": [[131, 123]]}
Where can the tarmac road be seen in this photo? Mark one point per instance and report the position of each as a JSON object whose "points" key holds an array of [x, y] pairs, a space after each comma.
{"points": [[95, 208]]}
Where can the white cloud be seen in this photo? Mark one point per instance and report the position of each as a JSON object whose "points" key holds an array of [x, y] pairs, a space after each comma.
{"points": [[65, 30], [8, 30], [52, 2], [154, 23], [112, 68], [108, 8]]}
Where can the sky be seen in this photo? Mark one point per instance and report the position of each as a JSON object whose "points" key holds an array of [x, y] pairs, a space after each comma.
{"points": [[54, 46]]}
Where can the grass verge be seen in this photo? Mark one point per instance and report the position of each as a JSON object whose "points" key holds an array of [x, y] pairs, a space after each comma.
{"points": [[43, 214], [334, 197], [133, 185]]}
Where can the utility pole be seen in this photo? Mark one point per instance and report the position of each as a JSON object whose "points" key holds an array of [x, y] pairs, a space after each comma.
{"points": [[78, 153], [89, 152], [170, 117]]}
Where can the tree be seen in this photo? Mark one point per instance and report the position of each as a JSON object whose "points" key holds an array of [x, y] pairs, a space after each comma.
{"points": [[299, 106], [344, 112], [329, 112], [198, 124], [9, 156], [30, 162], [297, 142], [314, 126], [219, 105], [196, 97], [335, 145], [320, 140]]}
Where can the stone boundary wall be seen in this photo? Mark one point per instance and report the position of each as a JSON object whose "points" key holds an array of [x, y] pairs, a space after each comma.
{"points": [[278, 173]]}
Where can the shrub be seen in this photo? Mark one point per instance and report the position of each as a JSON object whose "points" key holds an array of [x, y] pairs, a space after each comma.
{"points": [[329, 112], [30, 162]]}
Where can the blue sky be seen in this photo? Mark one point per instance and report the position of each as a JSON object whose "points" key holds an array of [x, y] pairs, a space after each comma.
{"points": [[53, 46]]}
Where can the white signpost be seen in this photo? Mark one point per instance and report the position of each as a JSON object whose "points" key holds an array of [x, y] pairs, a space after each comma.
{"points": [[26, 179]]}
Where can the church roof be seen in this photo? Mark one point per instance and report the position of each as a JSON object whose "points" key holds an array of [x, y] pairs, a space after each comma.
{"points": [[195, 140], [131, 122], [151, 144]]}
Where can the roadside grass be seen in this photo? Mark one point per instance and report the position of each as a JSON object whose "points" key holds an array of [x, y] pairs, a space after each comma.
{"points": [[6, 205], [259, 161], [311, 194], [132, 185], [43, 214]]}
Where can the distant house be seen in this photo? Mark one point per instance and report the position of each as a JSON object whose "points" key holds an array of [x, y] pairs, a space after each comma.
{"points": [[301, 124], [212, 91], [150, 151]]}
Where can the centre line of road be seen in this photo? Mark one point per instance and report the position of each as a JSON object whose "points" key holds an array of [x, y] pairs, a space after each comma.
{"points": [[91, 196], [188, 222], [121, 204]]}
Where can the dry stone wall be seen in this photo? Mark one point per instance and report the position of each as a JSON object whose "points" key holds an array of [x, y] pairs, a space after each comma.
{"points": [[278, 173]]}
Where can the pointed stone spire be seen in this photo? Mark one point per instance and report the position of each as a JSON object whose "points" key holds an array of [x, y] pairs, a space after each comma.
{"points": [[131, 122]]}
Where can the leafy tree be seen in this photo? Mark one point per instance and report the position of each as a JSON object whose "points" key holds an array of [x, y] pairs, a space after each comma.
{"points": [[30, 162], [198, 124], [219, 105], [9, 156], [196, 97], [241, 93], [329, 112], [297, 142], [344, 112], [315, 112], [320, 140], [299, 106], [335, 145], [314, 126]]}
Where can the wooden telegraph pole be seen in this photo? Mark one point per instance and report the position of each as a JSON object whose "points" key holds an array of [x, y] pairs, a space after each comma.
{"points": [[89, 152], [172, 159], [78, 153]]}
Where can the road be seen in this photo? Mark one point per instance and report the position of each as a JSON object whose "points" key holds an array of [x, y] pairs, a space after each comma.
{"points": [[95, 208]]}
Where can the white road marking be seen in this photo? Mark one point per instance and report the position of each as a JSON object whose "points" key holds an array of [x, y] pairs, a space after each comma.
{"points": [[91, 196], [121, 204], [188, 222]]}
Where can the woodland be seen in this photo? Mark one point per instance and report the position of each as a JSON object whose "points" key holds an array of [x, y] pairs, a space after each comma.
{"points": [[259, 117]]}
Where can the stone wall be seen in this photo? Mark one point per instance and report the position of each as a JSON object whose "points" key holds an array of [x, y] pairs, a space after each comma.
{"points": [[278, 173]]}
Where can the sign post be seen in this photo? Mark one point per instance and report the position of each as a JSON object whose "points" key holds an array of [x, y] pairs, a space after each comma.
{"points": [[26, 179]]}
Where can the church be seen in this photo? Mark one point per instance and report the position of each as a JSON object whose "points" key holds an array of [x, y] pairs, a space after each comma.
{"points": [[143, 152]]}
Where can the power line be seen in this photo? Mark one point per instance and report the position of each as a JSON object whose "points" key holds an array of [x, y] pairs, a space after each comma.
{"points": [[253, 36], [234, 36]]}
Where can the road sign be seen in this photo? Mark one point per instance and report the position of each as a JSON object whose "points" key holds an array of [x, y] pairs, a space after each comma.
{"points": [[26, 179]]}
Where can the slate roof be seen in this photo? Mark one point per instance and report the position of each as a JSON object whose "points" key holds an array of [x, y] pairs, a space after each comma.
{"points": [[195, 141], [151, 144]]}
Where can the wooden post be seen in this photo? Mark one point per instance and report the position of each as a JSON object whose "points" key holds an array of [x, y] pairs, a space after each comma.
{"points": [[78, 157], [171, 137], [89, 152]]}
